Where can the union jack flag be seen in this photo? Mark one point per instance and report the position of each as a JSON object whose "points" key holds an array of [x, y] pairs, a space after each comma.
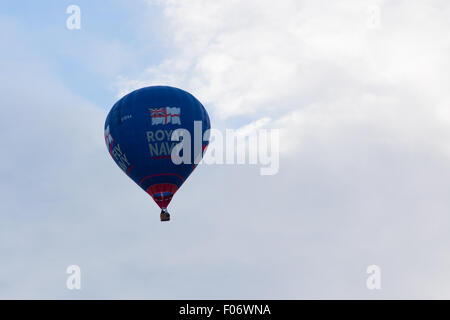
{"points": [[165, 115], [108, 138]]}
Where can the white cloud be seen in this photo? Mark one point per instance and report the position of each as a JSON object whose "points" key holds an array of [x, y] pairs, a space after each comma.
{"points": [[263, 58], [363, 113], [363, 175]]}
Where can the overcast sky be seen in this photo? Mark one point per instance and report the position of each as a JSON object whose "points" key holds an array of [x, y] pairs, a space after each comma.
{"points": [[358, 89]]}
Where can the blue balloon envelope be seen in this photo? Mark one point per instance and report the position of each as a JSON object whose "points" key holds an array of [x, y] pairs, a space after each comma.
{"points": [[138, 134]]}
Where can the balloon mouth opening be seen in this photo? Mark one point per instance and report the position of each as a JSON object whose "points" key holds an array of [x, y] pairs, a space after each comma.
{"points": [[162, 193]]}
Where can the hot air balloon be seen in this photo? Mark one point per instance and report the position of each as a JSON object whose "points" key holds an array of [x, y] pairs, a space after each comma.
{"points": [[140, 134]]}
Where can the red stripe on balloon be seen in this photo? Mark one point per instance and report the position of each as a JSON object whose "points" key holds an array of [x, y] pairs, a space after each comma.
{"points": [[161, 174], [129, 169]]}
